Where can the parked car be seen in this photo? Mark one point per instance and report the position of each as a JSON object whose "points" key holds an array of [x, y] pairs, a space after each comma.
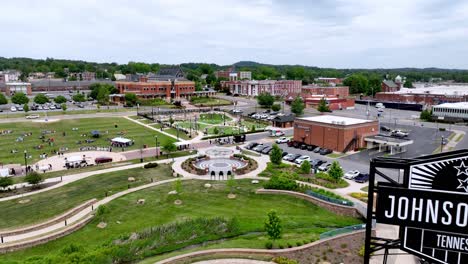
{"points": [[13, 109], [324, 167], [52, 107], [236, 111], [379, 105], [325, 151], [39, 107], [301, 159], [80, 106], [351, 174], [45, 107], [362, 178], [58, 106], [399, 134], [32, 116], [385, 128], [251, 145], [34, 108], [284, 153], [296, 144], [100, 160], [311, 147], [20, 108], [282, 140], [267, 150], [259, 147], [316, 162], [291, 157], [276, 133], [290, 143], [317, 149]]}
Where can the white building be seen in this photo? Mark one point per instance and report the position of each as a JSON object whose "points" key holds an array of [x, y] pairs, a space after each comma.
{"points": [[451, 110], [9, 76], [245, 75]]}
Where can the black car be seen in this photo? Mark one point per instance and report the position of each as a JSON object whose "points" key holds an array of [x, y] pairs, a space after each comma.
{"points": [[385, 128], [290, 143], [58, 106], [34, 108], [260, 148], [303, 146], [316, 162], [362, 178], [266, 150], [284, 153], [325, 151], [251, 145], [311, 147], [296, 144], [251, 114]]}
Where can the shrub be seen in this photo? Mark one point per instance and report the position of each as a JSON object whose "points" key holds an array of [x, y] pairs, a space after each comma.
{"points": [[290, 245], [101, 210], [276, 107], [281, 183], [269, 245], [34, 178], [281, 246], [151, 165], [335, 171], [299, 243], [273, 225], [305, 167], [284, 260]]}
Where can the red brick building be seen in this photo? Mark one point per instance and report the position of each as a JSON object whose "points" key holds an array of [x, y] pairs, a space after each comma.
{"points": [[158, 89], [338, 133], [332, 102], [329, 80], [14, 87], [337, 91]]}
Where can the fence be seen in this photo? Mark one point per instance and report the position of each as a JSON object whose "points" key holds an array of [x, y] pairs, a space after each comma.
{"points": [[342, 230], [329, 199]]}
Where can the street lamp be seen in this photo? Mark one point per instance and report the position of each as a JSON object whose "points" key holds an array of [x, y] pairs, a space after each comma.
{"points": [[25, 161], [156, 152]]}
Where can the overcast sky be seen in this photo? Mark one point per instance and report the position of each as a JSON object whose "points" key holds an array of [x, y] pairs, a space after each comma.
{"points": [[324, 33]]}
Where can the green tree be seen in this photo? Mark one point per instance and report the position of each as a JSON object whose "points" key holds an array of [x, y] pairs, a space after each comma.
{"points": [[64, 107], [357, 83], [426, 115], [335, 171], [3, 99], [305, 167], [79, 97], [322, 106], [273, 225], [96, 87], [103, 96], [276, 155], [41, 99], [19, 98], [276, 107], [5, 182], [265, 99], [169, 147], [198, 86], [26, 108], [297, 106], [408, 84], [171, 120], [60, 99], [131, 99], [33, 178], [231, 183], [215, 130]]}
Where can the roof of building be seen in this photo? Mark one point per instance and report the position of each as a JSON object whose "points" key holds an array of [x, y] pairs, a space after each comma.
{"points": [[460, 105], [390, 84], [284, 119], [18, 83], [335, 120], [454, 90], [390, 141], [60, 83]]}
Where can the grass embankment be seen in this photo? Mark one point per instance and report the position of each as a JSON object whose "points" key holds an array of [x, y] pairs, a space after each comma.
{"points": [[302, 222], [45, 205], [108, 127], [209, 101]]}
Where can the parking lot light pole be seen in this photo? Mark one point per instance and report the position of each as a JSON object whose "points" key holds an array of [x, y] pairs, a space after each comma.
{"points": [[25, 161], [156, 151]]}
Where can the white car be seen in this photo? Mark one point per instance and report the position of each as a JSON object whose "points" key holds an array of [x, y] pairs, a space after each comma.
{"points": [[379, 105], [302, 159], [282, 140], [52, 107], [276, 133], [324, 167], [32, 116], [13, 109], [351, 174]]}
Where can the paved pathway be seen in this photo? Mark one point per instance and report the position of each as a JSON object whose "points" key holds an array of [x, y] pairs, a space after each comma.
{"points": [[232, 261], [152, 128]]}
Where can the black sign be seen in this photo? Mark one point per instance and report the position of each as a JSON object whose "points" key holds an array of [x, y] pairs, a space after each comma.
{"points": [[423, 209], [432, 211]]}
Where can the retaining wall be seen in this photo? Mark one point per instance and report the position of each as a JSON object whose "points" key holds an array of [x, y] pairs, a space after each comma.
{"points": [[335, 208]]}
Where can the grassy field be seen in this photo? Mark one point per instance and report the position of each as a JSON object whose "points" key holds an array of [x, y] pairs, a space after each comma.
{"points": [[68, 112], [173, 131], [209, 101], [214, 118], [301, 220], [48, 204], [125, 128]]}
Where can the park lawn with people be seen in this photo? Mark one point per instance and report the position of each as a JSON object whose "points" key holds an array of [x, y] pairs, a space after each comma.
{"points": [[173, 131], [15, 138], [214, 118], [46, 205], [301, 221]]}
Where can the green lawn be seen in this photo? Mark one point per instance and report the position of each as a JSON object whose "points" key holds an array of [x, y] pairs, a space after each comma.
{"points": [[125, 128], [173, 131], [68, 112], [209, 101], [214, 118], [301, 220], [56, 201]]}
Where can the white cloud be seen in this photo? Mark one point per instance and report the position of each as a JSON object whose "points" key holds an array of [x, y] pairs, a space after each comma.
{"points": [[334, 33]]}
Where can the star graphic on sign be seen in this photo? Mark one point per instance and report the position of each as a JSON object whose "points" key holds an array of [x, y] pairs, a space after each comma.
{"points": [[462, 169], [463, 184]]}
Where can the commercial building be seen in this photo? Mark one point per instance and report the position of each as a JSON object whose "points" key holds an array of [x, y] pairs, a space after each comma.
{"points": [[338, 133], [389, 86], [333, 103], [9, 76], [336, 91], [232, 75], [331, 81], [273, 87], [451, 111], [158, 89], [59, 85], [427, 95], [11, 88]]}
